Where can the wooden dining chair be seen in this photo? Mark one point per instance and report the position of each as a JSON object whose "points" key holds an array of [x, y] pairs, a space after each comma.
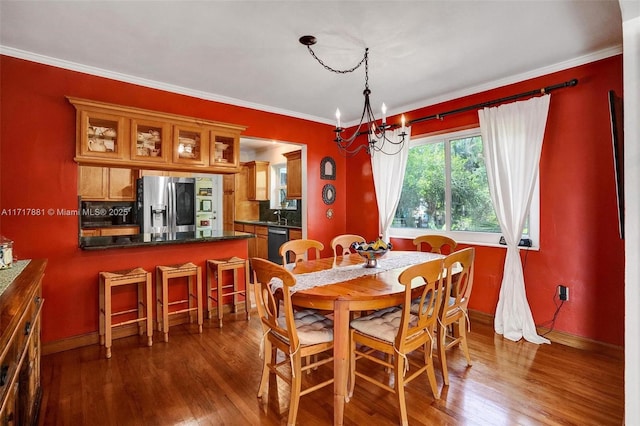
{"points": [[298, 334], [344, 242], [300, 249], [395, 332], [435, 243], [454, 316]]}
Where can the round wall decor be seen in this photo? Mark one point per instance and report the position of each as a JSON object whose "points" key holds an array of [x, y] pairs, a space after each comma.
{"points": [[328, 194], [329, 213]]}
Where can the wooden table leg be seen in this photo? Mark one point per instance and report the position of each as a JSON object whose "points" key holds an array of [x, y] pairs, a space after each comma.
{"points": [[341, 358]]}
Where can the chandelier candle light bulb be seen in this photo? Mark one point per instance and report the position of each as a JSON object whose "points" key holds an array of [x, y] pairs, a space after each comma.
{"points": [[384, 114], [338, 116]]}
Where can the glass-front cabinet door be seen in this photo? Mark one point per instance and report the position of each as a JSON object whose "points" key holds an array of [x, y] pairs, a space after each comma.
{"points": [[102, 135], [150, 141], [224, 149], [190, 145]]}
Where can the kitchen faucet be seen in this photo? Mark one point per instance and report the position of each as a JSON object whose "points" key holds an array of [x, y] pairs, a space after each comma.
{"points": [[280, 219]]}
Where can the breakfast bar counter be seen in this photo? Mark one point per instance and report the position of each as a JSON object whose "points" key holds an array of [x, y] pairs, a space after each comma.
{"points": [[144, 240]]}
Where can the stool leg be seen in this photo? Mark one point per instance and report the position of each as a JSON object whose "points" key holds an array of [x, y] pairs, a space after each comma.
{"points": [[158, 300], [141, 309], [219, 299], [107, 317], [190, 295], [101, 312], [209, 297], [235, 290], [149, 305], [199, 298], [247, 294], [165, 307]]}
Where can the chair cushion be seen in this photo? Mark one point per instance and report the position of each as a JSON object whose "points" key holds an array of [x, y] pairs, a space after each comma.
{"points": [[311, 326], [382, 324], [415, 304]]}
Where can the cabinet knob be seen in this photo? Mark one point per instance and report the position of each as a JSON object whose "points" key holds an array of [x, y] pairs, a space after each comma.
{"points": [[27, 328], [37, 299]]}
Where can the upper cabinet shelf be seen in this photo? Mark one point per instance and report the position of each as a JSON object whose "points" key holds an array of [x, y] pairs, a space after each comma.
{"points": [[115, 135]]}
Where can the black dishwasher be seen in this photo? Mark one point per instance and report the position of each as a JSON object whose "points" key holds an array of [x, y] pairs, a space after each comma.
{"points": [[277, 237]]}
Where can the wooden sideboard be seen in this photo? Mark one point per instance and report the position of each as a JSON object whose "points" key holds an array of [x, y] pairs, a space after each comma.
{"points": [[20, 312]]}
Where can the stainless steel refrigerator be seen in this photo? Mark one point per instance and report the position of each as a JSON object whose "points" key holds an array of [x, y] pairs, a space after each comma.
{"points": [[166, 205]]}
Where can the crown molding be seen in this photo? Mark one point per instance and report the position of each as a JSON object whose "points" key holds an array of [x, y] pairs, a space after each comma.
{"points": [[560, 66], [86, 69], [73, 66]]}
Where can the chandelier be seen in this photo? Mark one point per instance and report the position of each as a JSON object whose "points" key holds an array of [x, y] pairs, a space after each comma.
{"points": [[378, 140]]}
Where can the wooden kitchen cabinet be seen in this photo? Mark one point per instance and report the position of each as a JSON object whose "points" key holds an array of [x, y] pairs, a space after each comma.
{"points": [[21, 306], [101, 134], [106, 184], [262, 242], [190, 145], [251, 243], [111, 135], [224, 149], [150, 140], [110, 231], [258, 180], [295, 234], [294, 175], [122, 184]]}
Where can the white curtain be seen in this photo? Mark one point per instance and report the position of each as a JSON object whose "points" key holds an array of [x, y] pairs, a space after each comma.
{"points": [[388, 175], [512, 137]]}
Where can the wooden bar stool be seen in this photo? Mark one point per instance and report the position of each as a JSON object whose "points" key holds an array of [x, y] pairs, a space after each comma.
{"points": [[215, 269], [144, 310], [194, 291]]}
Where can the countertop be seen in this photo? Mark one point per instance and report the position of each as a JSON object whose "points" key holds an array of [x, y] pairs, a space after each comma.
{"points": [[144, 240], [271, 224]]}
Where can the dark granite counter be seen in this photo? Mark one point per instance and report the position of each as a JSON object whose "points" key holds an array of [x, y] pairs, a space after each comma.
{"points": [[271, 224], [145, 240]]}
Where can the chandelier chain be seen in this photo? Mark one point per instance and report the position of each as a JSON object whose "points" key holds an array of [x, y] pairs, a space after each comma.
{"points": [[327, 67]]}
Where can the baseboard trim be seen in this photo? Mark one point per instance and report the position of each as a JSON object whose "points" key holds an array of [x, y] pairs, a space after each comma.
{"points": [[128, 330], [560, 337]]}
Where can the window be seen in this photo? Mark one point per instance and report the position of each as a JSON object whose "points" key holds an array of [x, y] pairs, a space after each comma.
{"points": [[279, 197], [445, 191]]}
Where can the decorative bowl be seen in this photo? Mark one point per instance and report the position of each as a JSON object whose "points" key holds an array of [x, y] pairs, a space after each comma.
{"points": [[372, 251]]}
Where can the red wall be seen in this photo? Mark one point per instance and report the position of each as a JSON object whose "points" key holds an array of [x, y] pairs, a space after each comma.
{"points": [[579, 243], [37, 149]]}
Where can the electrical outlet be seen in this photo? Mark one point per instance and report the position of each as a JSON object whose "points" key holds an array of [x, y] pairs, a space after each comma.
{"points": [[563, 292]]}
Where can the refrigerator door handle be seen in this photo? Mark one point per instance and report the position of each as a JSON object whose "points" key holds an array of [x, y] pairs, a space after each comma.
{"points": [[171, 195]]}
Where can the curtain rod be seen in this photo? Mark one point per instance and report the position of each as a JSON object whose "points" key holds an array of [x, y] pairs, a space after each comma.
{"points": [[541, 91]]}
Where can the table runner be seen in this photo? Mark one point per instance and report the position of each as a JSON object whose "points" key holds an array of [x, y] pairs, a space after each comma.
{"points": [[345, 273], [8, 275]]}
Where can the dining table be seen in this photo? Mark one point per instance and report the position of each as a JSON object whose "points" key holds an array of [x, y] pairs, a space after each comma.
{"points": [[344, 285]]}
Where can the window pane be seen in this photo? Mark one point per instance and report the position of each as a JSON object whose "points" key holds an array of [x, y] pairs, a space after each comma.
{"points": [[471, 207], [422, 199]]}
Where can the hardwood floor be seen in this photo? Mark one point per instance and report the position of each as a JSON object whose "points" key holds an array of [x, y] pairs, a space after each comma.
{"points": [[212, 379]]}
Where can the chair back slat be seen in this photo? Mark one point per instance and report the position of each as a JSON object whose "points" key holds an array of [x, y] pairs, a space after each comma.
{"points": [[427, 277], [435, 243], [344, 242], [300, 249], [459, 278], [267, 303]]}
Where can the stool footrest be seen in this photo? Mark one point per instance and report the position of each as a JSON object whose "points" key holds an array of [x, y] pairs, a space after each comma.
{"points": [[128, 311], [128, 322], [178, 302]]}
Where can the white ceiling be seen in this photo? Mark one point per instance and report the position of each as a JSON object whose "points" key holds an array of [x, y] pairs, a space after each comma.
{"points": [[247, 53]]}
